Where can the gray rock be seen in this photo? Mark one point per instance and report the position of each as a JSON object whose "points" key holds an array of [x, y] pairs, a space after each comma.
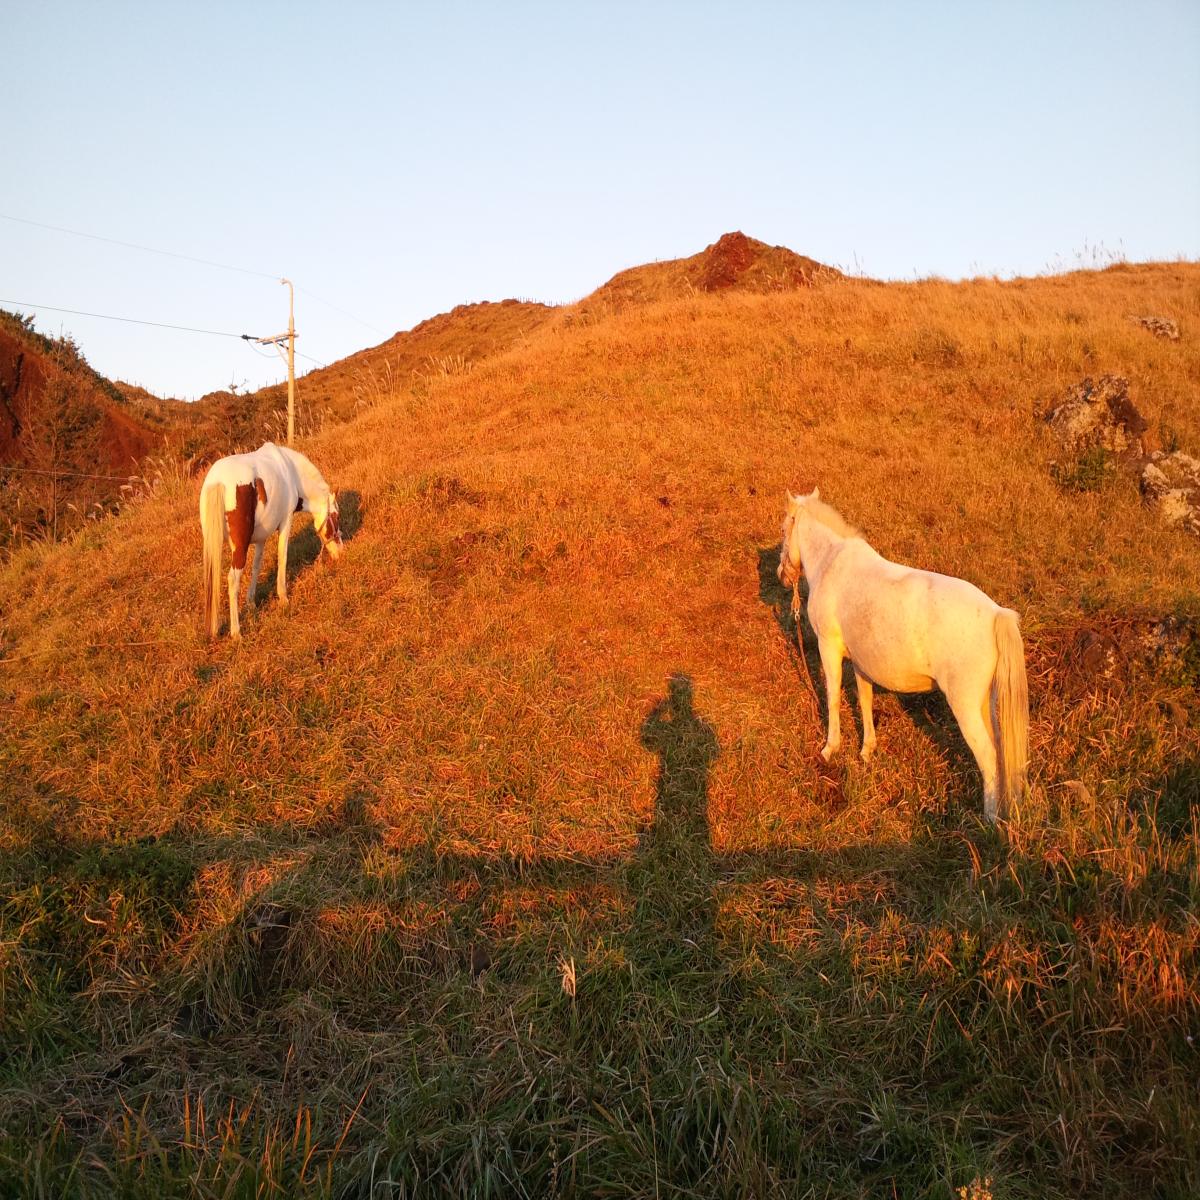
{"points": [[1162, 327], [1100, 415], [1170, 484]]}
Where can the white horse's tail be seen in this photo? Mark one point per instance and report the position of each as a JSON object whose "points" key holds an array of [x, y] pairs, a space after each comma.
{"points": [[213, 507], [1012, 710]]}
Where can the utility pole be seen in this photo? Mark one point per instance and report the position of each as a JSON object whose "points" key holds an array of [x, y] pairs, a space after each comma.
{"points": [[290, 338]]}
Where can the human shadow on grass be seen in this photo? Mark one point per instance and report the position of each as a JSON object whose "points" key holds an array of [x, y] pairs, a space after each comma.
{"points": [[670, 880], [341, 917], [673, 871]]}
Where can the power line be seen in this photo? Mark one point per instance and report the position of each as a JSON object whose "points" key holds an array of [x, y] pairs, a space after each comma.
{"points": [[330, 304], [95, 237], [128, 320], [248, 338]]}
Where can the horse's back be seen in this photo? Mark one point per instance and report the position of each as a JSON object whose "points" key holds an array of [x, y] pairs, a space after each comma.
{"points": [[903, 627], [273, 478]]}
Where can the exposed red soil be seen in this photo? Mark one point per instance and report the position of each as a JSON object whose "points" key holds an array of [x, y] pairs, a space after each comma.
{"points": [[734, 262], [21, 377], [92, 422], [124, 440]]}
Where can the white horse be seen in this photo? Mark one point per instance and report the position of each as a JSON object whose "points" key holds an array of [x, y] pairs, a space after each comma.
{"points": [[908, 631], [245, 499]]}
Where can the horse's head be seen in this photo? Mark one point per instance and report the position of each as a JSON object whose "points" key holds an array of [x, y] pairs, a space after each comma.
{"points": [[790, 564], [325, 521]]}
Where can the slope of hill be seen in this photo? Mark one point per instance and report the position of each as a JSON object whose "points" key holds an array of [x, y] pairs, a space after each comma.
{"points": [[114, 426], [56, 412], [61, 423], [503, 858], [450, 343]]}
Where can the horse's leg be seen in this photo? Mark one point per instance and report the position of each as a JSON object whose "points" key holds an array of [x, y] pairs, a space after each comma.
{"points": [[254, 566], [281, 565], [235, 581], [866, 694], [831, 664], [977, 732]]}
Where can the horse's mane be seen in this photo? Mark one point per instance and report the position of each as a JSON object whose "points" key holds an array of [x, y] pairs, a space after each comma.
{"points": [[830, 518], [310, 476]]}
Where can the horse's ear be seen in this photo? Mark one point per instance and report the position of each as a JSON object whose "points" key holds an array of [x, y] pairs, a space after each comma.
{"points": [[816, 493], [790, 498]]}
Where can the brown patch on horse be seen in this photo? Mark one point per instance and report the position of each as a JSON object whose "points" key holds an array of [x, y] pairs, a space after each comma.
{"points": [[241, 522], [330, 531], [262, 491]]}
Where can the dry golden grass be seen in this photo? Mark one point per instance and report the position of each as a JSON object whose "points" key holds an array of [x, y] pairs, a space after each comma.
{"points": [[263, 875]]}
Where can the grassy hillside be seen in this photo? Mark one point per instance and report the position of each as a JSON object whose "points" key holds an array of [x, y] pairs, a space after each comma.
{"points": [[448, 344], [503, 862], [69, 439]]}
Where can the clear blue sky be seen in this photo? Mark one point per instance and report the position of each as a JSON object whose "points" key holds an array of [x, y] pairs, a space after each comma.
{"points": [[398, 159]]}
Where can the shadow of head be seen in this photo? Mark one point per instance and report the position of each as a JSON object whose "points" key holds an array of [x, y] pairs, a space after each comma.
{"points": [[350, 512], [799, 635], [304, 546], [770, 590]]}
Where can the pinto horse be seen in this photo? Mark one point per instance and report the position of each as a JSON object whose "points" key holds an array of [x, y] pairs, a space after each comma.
{"points": [[910, 631], [245, 499]]}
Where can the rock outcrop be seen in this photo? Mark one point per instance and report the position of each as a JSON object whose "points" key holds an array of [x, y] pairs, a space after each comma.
{"points": [[1098, 420], [1100, 415], [1170, 483], [1162, 327]]}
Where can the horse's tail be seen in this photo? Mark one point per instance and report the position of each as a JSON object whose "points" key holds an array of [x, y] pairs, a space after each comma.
{"points": [[1012, 710], [212, 509]]}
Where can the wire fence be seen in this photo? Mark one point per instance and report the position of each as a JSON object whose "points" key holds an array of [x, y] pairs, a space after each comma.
{"points": [[128, 482], [19, 470]]}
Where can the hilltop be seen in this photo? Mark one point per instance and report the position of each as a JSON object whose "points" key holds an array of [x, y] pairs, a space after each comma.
{"points": [[504, 857], [734, 262], [114, 426], [453, 343]]}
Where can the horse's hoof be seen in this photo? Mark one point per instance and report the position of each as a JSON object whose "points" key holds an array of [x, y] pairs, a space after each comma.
{"points": [[866, 752], [828, 752]]}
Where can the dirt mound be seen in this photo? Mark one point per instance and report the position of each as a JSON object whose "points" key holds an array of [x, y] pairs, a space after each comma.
{"points": [[50, 396], [731, 261], [734, 262], [726, 261]]}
